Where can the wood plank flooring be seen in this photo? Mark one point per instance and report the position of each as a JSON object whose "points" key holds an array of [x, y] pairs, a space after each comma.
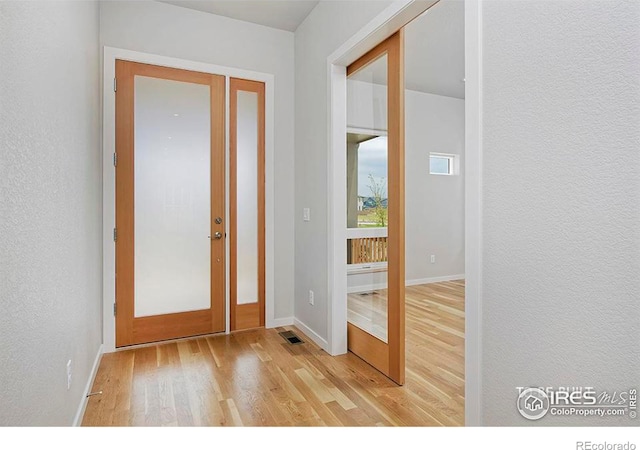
{"points": [[255, 378]]}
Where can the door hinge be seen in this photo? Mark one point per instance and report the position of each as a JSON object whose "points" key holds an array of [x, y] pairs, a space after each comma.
{"points": [[115, 84], [115, 309], [115, 235], [115, 160]]}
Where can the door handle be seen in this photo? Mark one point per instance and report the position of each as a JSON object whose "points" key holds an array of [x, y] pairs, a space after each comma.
{"points": [[217, 235]]}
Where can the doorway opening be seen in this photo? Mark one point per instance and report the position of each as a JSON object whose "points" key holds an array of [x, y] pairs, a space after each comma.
{"points": [[433, 286]]}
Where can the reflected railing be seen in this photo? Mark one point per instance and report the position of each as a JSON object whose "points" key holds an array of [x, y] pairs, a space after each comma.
{"points": [[367, 246]]}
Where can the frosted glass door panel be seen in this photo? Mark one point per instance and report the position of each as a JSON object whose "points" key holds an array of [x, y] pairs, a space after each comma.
{"points": [[172, 196], [247, 198]]}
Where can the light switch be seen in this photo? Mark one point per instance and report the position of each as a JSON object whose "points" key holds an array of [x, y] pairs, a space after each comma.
{"points": [[306, 214]]}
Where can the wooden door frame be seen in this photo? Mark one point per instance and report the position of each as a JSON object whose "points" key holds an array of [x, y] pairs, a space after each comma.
{"points": [[250, 315], [111, 54]]}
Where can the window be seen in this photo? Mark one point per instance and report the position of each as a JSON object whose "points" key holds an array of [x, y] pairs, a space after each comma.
{"points": [[443, 164]]}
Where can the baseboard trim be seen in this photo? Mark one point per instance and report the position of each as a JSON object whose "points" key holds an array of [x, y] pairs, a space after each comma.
{"points": [[315, 337], [77, 421], [373, 287], [280, 322], [434, 279], [366, 288]]}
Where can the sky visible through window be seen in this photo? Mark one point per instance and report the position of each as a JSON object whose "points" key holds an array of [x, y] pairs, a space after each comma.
{"points": [[439, 164], [372, 160]]}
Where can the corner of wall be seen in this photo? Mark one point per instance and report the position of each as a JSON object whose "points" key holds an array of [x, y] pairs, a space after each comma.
{"points": [[77, 421]]}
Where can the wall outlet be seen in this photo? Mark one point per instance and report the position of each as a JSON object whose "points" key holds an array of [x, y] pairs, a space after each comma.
{"points": [[311, 299], [433, 259], [68, 375], [306, 214]]}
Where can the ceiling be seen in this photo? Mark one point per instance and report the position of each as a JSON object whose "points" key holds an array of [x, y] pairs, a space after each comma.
{"points": [[434, 52], [434, 42], [283, 14]]}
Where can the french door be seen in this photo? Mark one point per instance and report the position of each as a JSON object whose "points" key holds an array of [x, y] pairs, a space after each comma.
{"points": [[170, 203]]}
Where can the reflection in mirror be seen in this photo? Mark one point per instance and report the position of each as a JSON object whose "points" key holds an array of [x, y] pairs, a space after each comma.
{"points": [[367, 215], [367, 199], [366, 181]]}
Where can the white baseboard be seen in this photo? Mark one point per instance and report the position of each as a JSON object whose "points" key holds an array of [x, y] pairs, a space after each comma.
{"points": [[280, 322], [434, 279], [77, 421], [373, 287], [315, 337], [366, 288]]}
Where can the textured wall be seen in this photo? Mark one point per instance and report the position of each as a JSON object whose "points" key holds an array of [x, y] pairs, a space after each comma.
{"points": [[561, 207], [328, 26], [169, 30], [50, 208]]}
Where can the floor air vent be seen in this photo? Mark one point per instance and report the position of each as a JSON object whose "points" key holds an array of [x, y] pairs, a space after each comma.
{"points": [[291, 337]]}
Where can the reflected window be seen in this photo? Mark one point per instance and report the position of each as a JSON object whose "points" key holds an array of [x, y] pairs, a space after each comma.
{"points": [[366, 181]]}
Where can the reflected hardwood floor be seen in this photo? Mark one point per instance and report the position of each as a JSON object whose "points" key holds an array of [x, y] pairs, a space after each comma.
{"points": [[368, 311], [255, 378]]}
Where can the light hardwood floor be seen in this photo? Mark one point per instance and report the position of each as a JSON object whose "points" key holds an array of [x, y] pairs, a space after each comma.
{"points": [[255, 378]]}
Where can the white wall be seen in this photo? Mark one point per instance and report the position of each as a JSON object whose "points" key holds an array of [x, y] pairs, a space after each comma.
{"points": [[561, 201], [50, 208], [434, 210], [328, 26], [169, 30], [434, 203]]}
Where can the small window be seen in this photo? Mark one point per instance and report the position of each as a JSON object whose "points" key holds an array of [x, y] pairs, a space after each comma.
{"points": [[442, 164]]}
